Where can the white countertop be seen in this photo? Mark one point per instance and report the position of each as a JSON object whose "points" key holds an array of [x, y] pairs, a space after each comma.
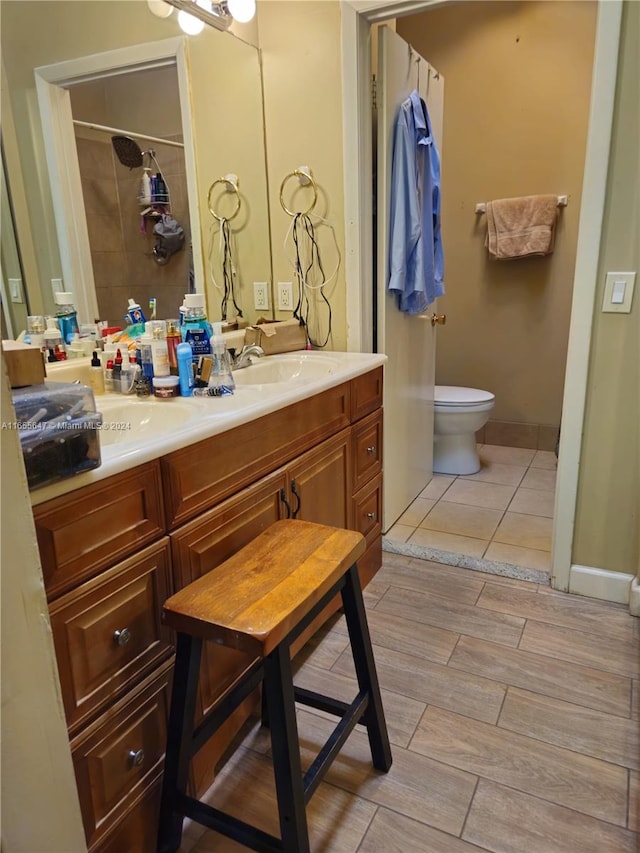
{"points": [[205, 416]]}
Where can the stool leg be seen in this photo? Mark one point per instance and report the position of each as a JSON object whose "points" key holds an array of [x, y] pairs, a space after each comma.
{"points": [[373, 718], [280, 705], [176, 764]]}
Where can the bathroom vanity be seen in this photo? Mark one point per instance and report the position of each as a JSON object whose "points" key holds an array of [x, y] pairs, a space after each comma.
{"points": [[160, 512]]}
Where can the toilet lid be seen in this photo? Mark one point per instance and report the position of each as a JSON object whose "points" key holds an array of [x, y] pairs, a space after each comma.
{"points": [[454, 395]]}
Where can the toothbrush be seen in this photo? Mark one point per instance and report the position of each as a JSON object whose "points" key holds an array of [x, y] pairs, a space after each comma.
{"points": [[152, 307]]}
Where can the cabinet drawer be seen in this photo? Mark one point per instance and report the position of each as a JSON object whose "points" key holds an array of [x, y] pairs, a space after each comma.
{"points": [[367, 449], [367, 509], [198, 476], [366, 394], [138, 831], [119, 758], [84, 532], [107, 632]]}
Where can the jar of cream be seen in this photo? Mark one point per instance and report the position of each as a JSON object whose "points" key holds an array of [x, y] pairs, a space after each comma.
{"points": [[165, 387]]}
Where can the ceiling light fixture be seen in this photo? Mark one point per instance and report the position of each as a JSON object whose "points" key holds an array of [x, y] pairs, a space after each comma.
{"points": [[214, 14]]}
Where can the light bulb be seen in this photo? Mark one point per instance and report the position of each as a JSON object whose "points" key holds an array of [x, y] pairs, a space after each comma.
{"points": [[159, 8], [242, 10], [190, 25]]}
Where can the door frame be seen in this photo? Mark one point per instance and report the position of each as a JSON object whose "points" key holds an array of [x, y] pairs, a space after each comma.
{"points": [[357, 19], [62, 160]]}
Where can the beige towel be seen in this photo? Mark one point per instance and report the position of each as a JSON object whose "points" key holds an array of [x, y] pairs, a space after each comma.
{"points": [[520, 227]]}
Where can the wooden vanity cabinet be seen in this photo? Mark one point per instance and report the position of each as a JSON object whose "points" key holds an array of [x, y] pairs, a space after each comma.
{"points": [[113, 551]]}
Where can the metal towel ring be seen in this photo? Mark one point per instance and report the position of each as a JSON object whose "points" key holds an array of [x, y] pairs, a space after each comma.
{"points": [[307, 179], [232, 186]]}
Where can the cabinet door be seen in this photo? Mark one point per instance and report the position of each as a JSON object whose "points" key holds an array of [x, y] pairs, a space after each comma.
{"points": [[107, 632], [197, 548], [320, 482], [118, 761]]}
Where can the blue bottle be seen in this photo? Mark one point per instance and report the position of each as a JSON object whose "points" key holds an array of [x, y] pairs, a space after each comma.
{"points": [[66, 316], [196, 329], [184, 355]]}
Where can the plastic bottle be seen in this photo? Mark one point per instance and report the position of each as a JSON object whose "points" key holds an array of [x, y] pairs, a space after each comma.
{"points": [[159, 349], [108, 377], [146, 355], [66, 315], [53, 341], [162, 193], [135, 312], [129, 374], [96, 375], [145, 187], [117, 371], [35, 331], [185, 369], [196, 329], [75, 348], [174, 337], [221, 381]]}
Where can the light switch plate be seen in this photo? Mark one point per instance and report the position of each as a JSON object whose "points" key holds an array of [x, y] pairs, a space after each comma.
{"points": [[15, 289], [618, 292]]}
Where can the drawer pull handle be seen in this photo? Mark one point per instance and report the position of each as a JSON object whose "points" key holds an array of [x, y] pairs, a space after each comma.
{"points": [[136, 757], [122, 637], [371, 515], [372, 449]]}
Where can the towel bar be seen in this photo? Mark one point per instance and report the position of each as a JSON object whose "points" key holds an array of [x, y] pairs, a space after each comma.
{"points": [[481, 207]]}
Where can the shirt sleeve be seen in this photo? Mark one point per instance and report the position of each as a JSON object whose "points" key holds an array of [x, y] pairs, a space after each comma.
{"points": [[404, 226]]}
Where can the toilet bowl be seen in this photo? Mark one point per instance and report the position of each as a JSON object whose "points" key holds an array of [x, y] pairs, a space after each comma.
{"points": [[458, 414]]}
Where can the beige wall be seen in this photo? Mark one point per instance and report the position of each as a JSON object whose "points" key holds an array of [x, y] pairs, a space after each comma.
{"points": [[607, 531], [301, 56], [517, 86]]}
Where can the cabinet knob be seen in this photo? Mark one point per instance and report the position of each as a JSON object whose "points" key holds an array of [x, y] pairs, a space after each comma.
{"points": [[371, 515], [122, 637], [372, 449], [136, 757]]}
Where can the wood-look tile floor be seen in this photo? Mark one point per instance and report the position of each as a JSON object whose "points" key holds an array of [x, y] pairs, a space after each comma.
{"points": [[514, 717]]}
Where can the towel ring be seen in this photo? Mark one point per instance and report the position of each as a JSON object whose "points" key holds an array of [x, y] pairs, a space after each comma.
{"points": [[298, 173], [232, 187]]}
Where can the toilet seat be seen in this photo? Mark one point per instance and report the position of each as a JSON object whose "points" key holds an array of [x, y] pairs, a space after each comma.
{"points": [[454, 395]]}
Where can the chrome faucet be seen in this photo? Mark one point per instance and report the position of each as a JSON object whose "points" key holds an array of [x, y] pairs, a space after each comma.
{"points": [[244, 359]]}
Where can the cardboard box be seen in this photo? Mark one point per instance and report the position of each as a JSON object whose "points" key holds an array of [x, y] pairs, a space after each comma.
{"points": [[25, 364], [284, 336]]}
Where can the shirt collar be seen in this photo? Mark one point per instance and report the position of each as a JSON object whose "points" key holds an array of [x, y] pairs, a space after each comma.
{"points": [[420, 119]]}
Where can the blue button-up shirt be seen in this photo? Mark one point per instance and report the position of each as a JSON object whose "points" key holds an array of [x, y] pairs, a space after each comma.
{"points": [[415, 244]]}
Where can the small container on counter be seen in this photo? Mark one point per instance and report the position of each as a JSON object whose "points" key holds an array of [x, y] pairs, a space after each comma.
{"points": [[166, 387]]}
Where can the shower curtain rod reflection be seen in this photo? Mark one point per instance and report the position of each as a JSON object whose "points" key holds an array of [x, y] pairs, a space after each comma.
{"points": [[120, 132]]}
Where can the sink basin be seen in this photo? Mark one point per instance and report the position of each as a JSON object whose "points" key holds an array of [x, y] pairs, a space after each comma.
{"points": [[299, 367], [132, 419]]}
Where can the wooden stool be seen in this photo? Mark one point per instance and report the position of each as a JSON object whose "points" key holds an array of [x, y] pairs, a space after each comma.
{"points": [[259, 601]]}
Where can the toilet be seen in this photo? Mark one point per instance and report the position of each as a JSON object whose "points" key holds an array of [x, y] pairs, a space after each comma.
{"points": [[458, 414]]}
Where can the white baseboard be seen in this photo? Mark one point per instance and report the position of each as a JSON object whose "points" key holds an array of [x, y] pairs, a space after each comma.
{"points": [[599, 583], [634, 597]]}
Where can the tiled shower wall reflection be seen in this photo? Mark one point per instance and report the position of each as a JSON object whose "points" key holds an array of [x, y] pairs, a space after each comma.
{"points": [[121, 252]]}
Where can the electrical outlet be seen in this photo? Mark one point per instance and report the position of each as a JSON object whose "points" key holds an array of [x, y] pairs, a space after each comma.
{"points": [[56, 285], [260, 296], [285, 296]]}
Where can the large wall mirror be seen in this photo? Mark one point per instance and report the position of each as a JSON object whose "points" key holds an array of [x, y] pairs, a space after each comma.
{"points": [[194, 107]]}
